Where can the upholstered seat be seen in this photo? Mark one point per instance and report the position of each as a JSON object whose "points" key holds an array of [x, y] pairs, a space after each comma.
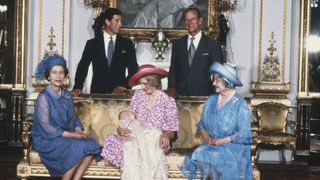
{"points": [[272, 125], [99, 116]]}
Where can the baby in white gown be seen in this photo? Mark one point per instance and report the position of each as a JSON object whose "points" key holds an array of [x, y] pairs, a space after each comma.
{"points": [[143, 157]]}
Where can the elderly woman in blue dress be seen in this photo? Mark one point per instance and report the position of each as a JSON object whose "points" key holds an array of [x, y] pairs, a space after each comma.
{"points": [[225, 129], [57, 132]]}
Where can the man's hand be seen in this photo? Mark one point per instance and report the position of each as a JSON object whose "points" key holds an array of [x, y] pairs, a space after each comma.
{"points": [[76, 92], [171, 92], [119, 90]]}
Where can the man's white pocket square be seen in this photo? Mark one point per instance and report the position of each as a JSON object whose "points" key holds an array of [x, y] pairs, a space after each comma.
{"points": [[205, 54], [123, 51]]}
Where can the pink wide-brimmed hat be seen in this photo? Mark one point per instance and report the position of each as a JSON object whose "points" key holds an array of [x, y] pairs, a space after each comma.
{"points": [[145, 70]]}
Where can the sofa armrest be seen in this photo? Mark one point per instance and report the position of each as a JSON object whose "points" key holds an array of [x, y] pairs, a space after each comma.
{"points": [[26, 139]]}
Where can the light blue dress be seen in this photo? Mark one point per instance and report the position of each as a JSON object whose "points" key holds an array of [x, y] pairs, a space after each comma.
{"points": [[230, 161], [53, 115]]}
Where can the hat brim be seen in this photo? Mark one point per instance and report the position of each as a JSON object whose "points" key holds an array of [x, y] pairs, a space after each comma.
{"points": [[152, 71], [220, 69]]}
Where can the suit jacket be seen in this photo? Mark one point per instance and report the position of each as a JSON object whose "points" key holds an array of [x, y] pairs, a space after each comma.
{"points": [[106, 78], [194, 80]]}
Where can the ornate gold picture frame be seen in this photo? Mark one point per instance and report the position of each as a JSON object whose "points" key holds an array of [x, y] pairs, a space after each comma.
{"points": [[137, 21], [309, 69]]}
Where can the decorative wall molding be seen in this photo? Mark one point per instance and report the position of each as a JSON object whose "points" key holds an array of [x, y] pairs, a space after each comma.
{"points": [[46, 9], [272, 20]]}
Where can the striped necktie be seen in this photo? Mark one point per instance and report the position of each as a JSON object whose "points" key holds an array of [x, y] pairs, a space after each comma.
{"points": [[191, 51]]}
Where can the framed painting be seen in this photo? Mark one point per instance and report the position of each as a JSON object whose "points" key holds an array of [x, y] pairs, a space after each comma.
{"points": [[142, 18]]}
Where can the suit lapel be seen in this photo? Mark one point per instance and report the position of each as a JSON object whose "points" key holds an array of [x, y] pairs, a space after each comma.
{"points": [[184, 48], [101, 50], [116, 48]]}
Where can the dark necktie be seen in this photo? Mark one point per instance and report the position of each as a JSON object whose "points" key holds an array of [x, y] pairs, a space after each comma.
{"points": [[110, 51], [191, 51]]}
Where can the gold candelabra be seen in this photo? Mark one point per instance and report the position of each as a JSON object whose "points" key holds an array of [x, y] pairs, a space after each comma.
{"points": [[97, 3], [227, 5]]}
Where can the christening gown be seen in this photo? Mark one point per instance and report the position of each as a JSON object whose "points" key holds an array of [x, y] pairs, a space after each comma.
{"points": [[54, 114]]}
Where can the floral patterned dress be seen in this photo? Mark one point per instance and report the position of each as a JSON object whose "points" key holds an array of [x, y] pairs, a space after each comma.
{"points": [[163, 115]]}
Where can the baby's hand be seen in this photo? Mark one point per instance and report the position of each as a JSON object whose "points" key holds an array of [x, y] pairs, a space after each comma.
{"points": [[123, 132], [166, 149]]}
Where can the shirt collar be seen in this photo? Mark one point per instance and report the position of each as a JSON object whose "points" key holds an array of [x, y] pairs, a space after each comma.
{"points": [[107, 36], [196, 41], [197, 36]]}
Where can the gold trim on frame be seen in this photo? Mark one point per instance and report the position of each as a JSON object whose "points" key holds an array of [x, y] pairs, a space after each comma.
{"points": [[63, 21], [284, 37], [303, 85], [20, 42], [145, 34], [270, 89], [260, 39], [40, 30]]}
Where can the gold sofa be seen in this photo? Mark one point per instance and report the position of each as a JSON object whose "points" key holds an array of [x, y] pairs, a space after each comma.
{"points": [[99, 114]]}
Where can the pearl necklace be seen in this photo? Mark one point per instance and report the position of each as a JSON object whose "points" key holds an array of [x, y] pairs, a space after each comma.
{"points": [[225, 97], [153, 96]]}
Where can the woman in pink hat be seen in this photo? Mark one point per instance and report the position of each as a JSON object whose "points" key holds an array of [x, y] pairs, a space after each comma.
{"points": [[155, 108]]}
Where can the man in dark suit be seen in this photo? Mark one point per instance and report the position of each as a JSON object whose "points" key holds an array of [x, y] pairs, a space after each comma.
{"points": [[192, 55], [110, 55]]}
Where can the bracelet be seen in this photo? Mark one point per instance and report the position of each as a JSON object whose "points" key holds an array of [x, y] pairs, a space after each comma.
{"points": [[228, 139]]}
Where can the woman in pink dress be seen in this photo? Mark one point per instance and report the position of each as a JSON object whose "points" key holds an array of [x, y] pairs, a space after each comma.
{"points": [[155, 108]]}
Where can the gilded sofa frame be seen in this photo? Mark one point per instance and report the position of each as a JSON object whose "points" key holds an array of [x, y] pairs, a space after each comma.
{"points": [[189, 106]]}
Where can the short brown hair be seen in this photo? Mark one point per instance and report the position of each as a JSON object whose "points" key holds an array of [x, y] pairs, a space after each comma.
{"points": [[194, 9], [154, 80]]}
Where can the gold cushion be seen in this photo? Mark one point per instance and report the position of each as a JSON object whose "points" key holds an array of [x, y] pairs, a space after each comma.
{"points": [[275, 138], [272, 116], [100, 118], [34, 157], [174, 160]]}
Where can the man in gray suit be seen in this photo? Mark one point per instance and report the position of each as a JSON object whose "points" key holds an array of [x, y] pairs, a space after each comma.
{"points": [[192, 55]]}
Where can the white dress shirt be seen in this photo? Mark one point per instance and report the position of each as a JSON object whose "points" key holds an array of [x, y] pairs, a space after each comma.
{"points": [[106, 39], [196, 40]]}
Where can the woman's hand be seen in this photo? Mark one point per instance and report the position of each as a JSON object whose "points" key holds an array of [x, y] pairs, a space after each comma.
{"points": [[165, 142], [208, 140], [123, 132], [220, 141], [214, 141], [76, 134]]}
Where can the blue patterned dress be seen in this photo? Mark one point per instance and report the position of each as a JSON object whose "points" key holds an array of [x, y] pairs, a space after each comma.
{"points": [[53, 115], [230, 161]]}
